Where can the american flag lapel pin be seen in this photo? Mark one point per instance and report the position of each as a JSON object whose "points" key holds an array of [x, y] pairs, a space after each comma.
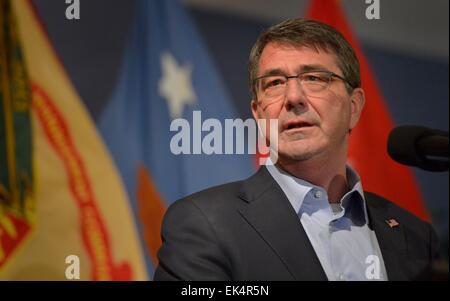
{"points": [[392, 223]]}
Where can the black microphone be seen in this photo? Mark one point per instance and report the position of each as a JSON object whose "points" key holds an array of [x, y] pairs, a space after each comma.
{"points": [[419, 146]]}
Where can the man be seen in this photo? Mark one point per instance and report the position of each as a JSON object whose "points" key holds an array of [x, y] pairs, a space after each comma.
{"points": [[307, 217]]}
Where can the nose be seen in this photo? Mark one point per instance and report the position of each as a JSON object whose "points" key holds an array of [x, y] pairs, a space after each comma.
{"points": [[295, 95]]}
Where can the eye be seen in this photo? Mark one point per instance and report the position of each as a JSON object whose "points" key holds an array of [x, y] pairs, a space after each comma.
{"points": [[273, 81], [315, 78]]}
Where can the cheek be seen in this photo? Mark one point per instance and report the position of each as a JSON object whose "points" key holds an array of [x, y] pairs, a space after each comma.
{"points": [[335, 121], [268, 121], [272, 111]]}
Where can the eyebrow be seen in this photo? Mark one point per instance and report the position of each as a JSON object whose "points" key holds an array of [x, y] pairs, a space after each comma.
{"points": [[303, 68], [315, 67]]}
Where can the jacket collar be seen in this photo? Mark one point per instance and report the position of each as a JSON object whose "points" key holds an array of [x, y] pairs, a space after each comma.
{"points": [[272, 216], [270, 213]]}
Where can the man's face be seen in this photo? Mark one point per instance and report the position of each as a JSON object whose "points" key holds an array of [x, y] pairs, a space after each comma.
{"points": [[308, 126]]}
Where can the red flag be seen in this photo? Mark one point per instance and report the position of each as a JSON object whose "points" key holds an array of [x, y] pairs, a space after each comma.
{"points": [[367, 148]]}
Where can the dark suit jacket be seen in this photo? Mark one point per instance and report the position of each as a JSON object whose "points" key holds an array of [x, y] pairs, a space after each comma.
{"points": [[248, 230]]}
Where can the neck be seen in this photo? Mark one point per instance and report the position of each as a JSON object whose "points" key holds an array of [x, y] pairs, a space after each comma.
{"points": [[330, 174]]}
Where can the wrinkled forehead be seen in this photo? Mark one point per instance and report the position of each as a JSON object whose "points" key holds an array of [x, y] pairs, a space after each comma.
{"points": [[296, 58]]}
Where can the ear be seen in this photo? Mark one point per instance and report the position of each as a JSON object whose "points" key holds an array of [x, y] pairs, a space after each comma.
{"points": [[254, 106], [357, 100]]}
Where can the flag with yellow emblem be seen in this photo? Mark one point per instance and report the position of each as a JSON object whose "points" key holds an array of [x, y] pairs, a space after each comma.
{"points": [[60, 193]]}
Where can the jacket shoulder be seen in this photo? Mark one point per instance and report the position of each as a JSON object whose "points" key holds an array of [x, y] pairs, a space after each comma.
{"points": [[391, 209], [213, 200]]}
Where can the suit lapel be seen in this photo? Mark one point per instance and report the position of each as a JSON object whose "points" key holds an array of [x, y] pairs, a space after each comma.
{"points": [[391, 240], [271, 215]]}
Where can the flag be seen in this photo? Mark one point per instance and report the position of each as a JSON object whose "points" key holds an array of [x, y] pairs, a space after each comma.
{"points": [[61, 193], [17, 201], [367, 146], [392, 223], [167, 74]]}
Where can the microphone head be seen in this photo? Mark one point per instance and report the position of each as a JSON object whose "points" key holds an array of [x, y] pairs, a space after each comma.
{"points": [[404, 146]]}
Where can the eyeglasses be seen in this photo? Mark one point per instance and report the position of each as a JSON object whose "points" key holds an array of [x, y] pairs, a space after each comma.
{"points": [[314, 83]]}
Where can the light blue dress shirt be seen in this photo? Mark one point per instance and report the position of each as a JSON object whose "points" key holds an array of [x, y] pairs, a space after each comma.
{"points": [[339, 233]]}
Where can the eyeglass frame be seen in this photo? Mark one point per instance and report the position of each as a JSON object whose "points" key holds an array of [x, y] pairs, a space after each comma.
{"points": [[330, 74]]}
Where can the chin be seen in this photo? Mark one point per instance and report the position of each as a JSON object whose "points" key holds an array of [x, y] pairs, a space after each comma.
{"points": [[299, 150]]}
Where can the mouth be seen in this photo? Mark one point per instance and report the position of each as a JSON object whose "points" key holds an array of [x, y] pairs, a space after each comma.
{"points": [[292, 125]]}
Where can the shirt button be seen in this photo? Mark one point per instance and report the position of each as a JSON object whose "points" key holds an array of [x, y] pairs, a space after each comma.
{"points": [[317, 194]]}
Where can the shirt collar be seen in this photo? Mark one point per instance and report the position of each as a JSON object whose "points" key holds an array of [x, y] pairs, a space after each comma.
{"points": [[296, 189]]}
